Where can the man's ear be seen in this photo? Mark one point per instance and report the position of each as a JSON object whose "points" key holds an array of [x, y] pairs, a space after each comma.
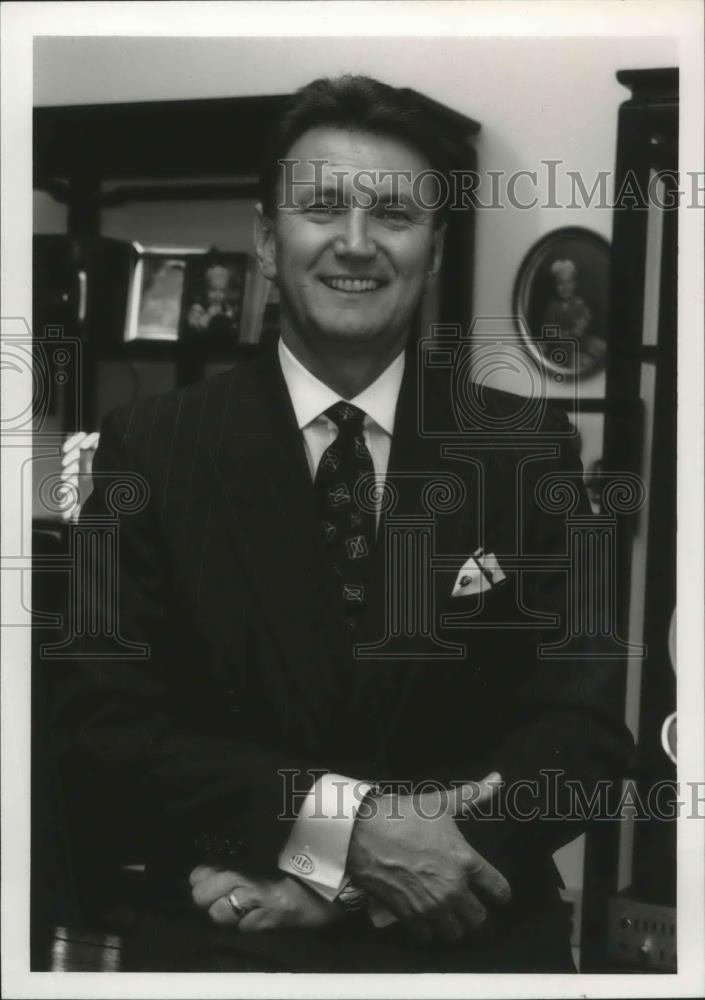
{"points": [[265, 247], [436, 255]]}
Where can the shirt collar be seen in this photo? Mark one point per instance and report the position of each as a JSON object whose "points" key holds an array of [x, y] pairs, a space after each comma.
{"points": [[310, 397]]}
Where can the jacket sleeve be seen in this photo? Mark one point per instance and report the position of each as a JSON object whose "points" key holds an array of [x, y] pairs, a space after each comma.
{"points": [[563, 740], [121, 713]]}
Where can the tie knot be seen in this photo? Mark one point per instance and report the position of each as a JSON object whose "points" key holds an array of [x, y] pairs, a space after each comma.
{"points": [[346, 416]]}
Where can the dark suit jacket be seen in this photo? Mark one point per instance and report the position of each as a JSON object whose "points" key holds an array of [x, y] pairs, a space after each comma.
{"points": [[223, 572]]}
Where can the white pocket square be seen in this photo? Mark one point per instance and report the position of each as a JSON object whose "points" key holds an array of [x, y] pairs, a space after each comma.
{"points": [[479, 573]]}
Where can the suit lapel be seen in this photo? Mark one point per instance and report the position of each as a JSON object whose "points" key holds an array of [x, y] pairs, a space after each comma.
{"points": [[417, 462], [265, 497], [421, 468]]}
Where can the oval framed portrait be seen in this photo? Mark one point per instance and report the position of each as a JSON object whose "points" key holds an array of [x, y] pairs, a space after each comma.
{"points": [[560, 301]]}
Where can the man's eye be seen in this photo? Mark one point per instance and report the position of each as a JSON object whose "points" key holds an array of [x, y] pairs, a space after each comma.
{"points": [[395, 213], [325, 208]]}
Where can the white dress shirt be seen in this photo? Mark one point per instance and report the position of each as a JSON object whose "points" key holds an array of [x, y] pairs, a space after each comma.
{"points": [[310, 398], [317, 848]]}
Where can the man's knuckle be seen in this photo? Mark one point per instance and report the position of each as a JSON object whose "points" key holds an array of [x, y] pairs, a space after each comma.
{"points": [[503, 891], [430, 908], [473, 863], [199, 895]]}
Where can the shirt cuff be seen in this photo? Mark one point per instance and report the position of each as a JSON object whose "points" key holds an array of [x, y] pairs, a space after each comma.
{"points": [[317, 848]]}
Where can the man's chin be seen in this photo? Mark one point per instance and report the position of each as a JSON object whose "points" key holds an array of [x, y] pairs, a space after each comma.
{"points": [[353, 335]]}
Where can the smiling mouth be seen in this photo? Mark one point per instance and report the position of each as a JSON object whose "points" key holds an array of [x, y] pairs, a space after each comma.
{"points": [[355, 285]]}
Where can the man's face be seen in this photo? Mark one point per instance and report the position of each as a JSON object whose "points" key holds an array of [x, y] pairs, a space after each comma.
{"points": [[351, 272]]}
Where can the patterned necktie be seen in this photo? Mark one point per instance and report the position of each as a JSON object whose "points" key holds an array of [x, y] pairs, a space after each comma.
{"points": [[349, 530]]}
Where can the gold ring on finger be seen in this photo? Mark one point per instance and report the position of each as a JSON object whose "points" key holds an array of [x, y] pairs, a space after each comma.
{"points": [[238, 909]]}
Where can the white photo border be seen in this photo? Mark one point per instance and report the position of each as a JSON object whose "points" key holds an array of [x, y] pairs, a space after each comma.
{"points": [[21, 23]]}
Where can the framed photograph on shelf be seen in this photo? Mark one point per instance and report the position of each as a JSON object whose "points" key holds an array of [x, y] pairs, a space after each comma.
{"points": [[155, 297], [214, 294], [560, 301], [194, 296]]}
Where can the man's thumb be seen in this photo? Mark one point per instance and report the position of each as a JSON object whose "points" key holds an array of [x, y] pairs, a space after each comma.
{"points": [[474, 793]]}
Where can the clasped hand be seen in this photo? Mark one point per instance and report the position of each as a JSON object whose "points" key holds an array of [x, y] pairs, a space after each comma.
{"points": [[405, 851], [270, 904], [409, 854]]}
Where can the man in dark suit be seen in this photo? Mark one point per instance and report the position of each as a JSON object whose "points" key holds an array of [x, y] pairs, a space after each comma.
{"points": [[342, 741]]}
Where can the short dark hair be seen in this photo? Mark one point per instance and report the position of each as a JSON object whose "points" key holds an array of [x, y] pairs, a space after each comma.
{"points": [[353, 102]]}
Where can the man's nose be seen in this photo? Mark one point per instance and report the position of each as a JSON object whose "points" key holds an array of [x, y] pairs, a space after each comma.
{"points": [[354, 239]]}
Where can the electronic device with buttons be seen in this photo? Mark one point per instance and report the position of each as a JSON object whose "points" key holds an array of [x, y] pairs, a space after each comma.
{"points": [[642, 934]]}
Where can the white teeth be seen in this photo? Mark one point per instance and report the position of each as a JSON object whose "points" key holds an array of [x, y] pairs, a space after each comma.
{"points": [[352, 284]]}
